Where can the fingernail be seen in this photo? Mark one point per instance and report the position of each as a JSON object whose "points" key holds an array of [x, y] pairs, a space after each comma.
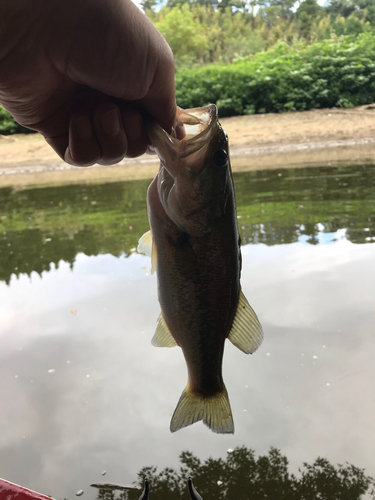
{"points": [[83, 127], [110, 122]]}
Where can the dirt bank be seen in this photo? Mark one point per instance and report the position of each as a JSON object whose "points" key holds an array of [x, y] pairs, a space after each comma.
{"points": [[259, 141]]}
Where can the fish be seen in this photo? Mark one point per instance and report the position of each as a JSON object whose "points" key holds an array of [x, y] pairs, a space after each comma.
{"points": [[195, 249]]}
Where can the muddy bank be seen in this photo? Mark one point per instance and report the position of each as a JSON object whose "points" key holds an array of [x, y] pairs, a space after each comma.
{"points": [[256, 142]]}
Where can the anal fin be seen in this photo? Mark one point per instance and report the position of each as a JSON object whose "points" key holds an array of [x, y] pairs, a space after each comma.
{"points": [[246, 332]]}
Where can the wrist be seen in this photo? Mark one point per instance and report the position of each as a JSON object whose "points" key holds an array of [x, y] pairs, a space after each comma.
{"points": [[13, 15]]}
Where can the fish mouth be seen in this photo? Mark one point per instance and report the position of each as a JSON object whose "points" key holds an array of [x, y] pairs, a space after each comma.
{"points": [[200, 124]]}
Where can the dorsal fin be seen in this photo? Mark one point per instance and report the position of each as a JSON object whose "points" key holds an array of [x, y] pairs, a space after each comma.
{"points": [[163, 336], [246, 332], [147, 246]]}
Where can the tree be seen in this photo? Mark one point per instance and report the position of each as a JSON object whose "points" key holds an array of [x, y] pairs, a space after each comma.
{"points": [[284, 6], [148, 4], [339, 7], [362, 9], [324, 480], [307, 13], [183, 32], [242, 476]]}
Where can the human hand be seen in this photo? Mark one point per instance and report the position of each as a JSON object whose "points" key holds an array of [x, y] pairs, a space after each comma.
{"points": [[82, 73]]}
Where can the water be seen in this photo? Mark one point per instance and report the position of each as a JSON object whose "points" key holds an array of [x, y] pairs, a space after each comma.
{"points": [[82, 390]]}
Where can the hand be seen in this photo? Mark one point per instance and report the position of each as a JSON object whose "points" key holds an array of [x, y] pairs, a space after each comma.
{"points": [[82, 73]]}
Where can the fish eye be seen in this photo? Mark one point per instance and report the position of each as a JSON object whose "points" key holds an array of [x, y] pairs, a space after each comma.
{"points": [[220, 158]]}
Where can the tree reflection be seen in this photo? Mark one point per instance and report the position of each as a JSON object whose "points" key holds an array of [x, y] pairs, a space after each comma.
{"points": [[243, 476], [108, 491], [40, 227]]}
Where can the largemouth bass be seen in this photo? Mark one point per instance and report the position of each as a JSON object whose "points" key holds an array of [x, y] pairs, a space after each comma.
{"points": [[195, 247]]}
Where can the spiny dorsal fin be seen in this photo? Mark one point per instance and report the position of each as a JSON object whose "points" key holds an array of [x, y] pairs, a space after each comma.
{"points": [[147, 246], [213, 410], [162, 336], [246, 332]]}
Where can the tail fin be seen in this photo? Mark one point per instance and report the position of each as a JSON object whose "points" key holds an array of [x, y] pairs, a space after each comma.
{"points": [[213, 410]]}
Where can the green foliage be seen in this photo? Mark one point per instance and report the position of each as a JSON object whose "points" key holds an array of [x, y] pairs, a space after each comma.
{"points": [[9, 126], [362, 9], [307, 13], [243, 475], [311, 8], [350, 26], [200, 35], [41, 227], [148, 4], [255, 35], [202, 32], [185, 36], [339, 72]]}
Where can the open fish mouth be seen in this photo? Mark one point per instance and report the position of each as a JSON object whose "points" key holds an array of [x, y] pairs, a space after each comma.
{"points": [[200, 125]]}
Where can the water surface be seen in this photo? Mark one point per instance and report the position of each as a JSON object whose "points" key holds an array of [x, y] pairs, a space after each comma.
{"points": [[83, 390]]}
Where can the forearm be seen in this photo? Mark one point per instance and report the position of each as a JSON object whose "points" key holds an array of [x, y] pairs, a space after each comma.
{"points": [[17, 23]]}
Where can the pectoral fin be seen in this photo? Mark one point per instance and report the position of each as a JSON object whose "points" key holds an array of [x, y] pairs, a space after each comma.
{"points": [[147, 246], [162, 336], [246, 332]]}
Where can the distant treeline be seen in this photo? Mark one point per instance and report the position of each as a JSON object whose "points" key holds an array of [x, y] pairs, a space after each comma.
{"points": [[39, 228], [202, 32], [244, 476], [330, 73], [258, 56], [339, 72]]}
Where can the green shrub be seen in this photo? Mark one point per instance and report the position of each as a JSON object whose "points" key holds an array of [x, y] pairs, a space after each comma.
{"points": [[339, 72], [9, 126]]}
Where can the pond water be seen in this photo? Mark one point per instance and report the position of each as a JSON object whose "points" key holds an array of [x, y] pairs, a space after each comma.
{"points": [[82, 390]]}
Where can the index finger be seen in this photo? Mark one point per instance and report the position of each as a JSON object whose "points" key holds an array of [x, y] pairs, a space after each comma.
{"points": [[160, 101]]}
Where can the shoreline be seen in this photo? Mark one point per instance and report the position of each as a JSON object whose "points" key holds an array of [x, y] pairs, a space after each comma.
{"points": [[308, 138]]}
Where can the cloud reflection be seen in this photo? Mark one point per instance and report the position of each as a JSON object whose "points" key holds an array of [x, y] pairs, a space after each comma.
{"points": [[60, 429]]}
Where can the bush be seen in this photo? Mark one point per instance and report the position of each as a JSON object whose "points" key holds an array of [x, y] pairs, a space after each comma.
{"points": [[338, 72], [9, 126]]}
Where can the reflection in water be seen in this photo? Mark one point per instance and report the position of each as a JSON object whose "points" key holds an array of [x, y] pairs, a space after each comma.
{"points": [[243, 476], [39, 227], [84, 391], [194, 495], [108, 491]]}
